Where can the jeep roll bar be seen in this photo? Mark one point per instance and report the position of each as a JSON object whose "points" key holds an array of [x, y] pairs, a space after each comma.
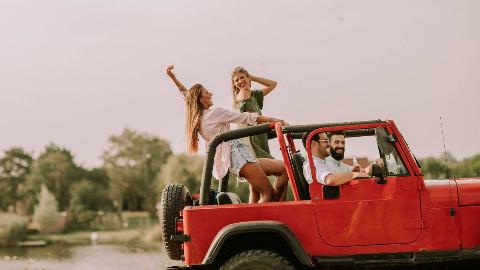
{"points": [[296, 132]]}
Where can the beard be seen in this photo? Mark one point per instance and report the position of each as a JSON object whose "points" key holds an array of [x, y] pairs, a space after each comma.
{"points": [[335, 155]]}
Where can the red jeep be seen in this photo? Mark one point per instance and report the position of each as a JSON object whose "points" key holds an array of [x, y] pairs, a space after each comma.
{"points": [[393, 217]]}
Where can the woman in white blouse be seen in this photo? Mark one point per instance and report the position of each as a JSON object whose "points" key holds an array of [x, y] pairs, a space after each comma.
{"points": [[233, 155]]}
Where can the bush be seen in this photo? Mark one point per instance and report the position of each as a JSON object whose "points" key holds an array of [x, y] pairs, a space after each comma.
{"points": [[136, 219], [13, 228], [107, 221], [46, 214], [82, 220], [95, 220]]}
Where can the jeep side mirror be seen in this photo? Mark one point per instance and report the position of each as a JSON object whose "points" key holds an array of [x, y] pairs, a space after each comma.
{"points": [[377, 171]]}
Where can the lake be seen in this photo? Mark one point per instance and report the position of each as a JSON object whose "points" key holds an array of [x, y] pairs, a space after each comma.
{"points": [[95, 256]]}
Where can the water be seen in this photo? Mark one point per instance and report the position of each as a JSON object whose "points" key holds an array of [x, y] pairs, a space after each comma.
{"points": [[98, 257], [116, 257]]}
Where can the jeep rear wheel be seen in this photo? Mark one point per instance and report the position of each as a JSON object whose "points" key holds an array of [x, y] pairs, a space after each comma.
{"points": [[174, 198], [257, 260]]}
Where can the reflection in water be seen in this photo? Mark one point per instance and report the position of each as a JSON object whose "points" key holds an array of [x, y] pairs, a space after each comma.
{"points": [[56, 251], [98, 257]]}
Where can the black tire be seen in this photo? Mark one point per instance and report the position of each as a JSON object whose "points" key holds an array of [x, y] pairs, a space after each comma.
{"points": [[257, 260], [174, 198]]}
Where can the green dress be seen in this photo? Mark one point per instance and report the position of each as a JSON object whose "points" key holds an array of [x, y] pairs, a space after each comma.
{"points": [[259, 143]]}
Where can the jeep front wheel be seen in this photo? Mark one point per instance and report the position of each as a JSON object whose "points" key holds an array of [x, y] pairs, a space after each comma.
{"points": [[258, 260], [174, 198]]}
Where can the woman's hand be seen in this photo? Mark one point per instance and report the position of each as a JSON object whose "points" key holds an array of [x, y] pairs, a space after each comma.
{"points": [[269, 84], [180, 86], [282, 122], [170, 71]]}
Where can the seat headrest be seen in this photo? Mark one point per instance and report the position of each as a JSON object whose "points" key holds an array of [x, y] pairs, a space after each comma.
{"points": [[228, 198]]}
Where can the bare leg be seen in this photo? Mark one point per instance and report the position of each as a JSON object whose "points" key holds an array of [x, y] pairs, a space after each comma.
{"points": [[254, 195], [276, 167], [258, 181], [284, 195]]}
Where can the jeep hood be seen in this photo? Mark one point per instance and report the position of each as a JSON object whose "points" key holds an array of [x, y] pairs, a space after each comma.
{"points": [[468, 191], [444, 192]]}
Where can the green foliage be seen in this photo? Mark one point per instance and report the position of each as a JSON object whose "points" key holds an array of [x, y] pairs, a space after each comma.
{"points": [[46, 212], [95, 220], [434, 168], [181, 169], [88, 195], [56, 169], [106, 221], [96, 175], [469, 167], [13, 228], [14, 167], [132, 162], [81, 220], [137, 219], [100, 220]]}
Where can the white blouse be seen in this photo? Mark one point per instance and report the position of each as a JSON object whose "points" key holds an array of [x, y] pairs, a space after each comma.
{"points": [[216, 121]]}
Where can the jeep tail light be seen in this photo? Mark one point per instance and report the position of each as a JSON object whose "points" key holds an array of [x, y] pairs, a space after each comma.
{"points": [[179, 225]]}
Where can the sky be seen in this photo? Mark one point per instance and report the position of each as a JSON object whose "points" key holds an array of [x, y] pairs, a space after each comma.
{"points": [[76, 72]]}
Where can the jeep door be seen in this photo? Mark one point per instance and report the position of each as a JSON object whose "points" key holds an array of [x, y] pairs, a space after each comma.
{"points": [[367, 212]]}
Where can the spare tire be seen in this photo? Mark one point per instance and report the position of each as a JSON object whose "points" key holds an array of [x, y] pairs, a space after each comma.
{"points": [[174, 198]]}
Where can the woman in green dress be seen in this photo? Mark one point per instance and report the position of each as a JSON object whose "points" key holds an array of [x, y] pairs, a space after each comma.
{"points": [[247, 100]]}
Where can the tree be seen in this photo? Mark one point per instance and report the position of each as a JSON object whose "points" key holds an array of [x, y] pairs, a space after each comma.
{"points": [[433, 168], [46, 212], [88, 195], [96, 175], [91, 192], [469, 167], [182, 169], [56, 169], [132, 162], [475, 165], [15, 165]]}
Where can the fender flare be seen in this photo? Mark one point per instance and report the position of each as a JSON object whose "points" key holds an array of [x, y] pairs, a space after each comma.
{"points": [[255, 227]]}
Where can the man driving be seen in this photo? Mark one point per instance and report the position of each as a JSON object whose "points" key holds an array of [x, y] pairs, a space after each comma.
{"points": [[329, 170]]}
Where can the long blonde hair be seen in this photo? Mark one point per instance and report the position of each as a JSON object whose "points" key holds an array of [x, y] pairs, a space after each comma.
{"points": [[194, 112], [235, 90]]}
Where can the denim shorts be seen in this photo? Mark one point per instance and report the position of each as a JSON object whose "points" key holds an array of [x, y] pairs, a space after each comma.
{"points": [[241, 154]]}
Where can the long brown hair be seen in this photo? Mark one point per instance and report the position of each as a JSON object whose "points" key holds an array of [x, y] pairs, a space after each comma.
{"points": [[235, 90], [194, 112]]}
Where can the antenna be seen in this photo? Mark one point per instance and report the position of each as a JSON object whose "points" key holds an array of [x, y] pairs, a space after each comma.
{"points": [[444, 148]]}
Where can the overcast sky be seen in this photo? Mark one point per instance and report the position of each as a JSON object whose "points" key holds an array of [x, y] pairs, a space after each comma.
{"points": [[75, 72]]}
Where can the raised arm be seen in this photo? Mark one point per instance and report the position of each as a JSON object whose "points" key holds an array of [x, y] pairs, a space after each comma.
{"points": [[180, 86], [269, 84]]}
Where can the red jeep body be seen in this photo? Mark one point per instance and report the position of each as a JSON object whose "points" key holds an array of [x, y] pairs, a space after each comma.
{"points": [[405, 220]]}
